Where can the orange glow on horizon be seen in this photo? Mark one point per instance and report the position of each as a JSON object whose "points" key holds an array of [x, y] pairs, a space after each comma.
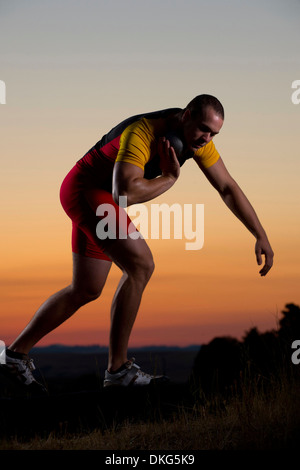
{"points": [[66, 90]]}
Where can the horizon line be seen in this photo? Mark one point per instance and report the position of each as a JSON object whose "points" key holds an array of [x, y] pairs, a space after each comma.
{"points": [[97, 346]]}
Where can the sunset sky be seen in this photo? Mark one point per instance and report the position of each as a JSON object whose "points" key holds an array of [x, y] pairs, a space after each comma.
{"points": [[74, 69]]}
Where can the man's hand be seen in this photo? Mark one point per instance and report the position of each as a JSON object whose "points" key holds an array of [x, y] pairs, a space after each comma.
{"points": [[263, 247], [169, 164]]}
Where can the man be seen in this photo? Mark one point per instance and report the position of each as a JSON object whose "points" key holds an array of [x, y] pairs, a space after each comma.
{"points": [[134, 160]]}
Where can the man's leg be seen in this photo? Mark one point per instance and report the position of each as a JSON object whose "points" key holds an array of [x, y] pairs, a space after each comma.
{"points": [[134, 258], [89, 276]]}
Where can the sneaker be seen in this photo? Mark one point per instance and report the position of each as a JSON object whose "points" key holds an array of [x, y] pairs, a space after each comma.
{"points": [[130, 374], [18, 367]]}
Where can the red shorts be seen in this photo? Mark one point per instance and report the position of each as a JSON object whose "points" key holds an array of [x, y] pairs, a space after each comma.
{"points": [[80, 198]]}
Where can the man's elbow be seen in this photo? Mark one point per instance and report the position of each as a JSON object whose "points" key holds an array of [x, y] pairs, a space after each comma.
{"points": [[227, 188], [120, 196], [224, 191]]}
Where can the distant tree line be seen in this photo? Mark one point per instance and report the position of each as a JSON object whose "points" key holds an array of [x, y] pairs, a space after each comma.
{"points": [[226, 363]]}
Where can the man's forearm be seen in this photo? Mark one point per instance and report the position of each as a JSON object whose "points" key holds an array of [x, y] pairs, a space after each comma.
{"points": [[237, 202], [140, 190]]}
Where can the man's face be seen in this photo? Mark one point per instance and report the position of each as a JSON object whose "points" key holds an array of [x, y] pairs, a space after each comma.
{"points": [[200, 130]]}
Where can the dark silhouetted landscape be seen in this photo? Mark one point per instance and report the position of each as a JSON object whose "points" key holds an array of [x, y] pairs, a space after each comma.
{"points": [[228, 394]]}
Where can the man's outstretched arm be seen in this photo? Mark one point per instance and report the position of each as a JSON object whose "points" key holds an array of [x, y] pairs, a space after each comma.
{"points": [[237, 202]]}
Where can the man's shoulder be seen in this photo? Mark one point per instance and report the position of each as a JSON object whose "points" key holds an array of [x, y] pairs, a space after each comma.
{"points": [[207, 155]]}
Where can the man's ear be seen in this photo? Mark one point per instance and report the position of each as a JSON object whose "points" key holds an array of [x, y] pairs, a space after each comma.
{"points": [[186, 116]]}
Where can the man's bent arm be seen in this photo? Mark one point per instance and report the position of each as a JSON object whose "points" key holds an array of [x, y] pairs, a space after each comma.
{"points": [[237, 202], [129, 181]]}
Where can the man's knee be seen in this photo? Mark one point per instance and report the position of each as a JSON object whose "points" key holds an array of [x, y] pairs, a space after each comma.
{"points": [[84, 295], [149, 267], [142, 268]]}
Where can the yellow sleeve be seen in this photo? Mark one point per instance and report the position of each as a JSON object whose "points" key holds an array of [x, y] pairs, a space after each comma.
{"points": [[135, 144], [208, 155]]}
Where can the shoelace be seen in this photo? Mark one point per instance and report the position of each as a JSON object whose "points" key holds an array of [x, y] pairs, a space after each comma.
{"points": [[140, 372], [29, 363]]}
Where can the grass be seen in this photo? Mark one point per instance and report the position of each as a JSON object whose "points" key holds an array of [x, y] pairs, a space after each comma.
{"points": [[255, 418]]}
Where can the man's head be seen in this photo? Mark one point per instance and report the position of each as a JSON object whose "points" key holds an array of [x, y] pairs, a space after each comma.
{"points": [[202, 119]]}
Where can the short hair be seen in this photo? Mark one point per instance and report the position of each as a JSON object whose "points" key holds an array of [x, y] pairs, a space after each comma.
{"points": [[200, 102]]}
